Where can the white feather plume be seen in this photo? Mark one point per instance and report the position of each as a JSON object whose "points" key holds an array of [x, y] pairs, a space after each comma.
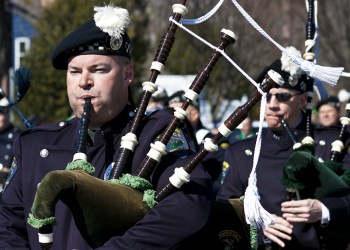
{"points": [[112, 20], [287, 63]]}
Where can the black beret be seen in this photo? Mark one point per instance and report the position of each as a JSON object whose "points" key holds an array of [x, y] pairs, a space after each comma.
{"points": [[179, 96], [89, 39], [294, 77], [290, 82], [332, 100]]}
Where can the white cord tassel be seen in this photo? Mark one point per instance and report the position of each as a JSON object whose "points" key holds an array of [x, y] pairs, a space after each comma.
{"points": [[255, 214], [328, 75]]}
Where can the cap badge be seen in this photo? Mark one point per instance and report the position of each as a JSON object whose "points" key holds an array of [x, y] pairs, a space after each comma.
{"points": [[115, 43], [293, 80]]}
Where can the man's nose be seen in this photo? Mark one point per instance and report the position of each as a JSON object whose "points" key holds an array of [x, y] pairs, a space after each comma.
{"points": [[86, 80], [273, 101]]}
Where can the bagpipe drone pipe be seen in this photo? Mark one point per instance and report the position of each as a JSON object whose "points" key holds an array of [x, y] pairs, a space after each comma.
{"points": [[126, 199]]}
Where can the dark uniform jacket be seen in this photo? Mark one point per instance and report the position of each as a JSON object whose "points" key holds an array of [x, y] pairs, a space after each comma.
{"points": [[7, 137], [275, 150], [174, 223]]}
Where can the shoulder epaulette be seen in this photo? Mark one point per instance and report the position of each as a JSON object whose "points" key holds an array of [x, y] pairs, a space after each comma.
{"points": [[57, 126]]}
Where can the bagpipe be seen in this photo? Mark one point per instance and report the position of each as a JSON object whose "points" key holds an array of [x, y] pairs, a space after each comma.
{"points": [[304, 176], [303, 172], [127, 198], [307, 177]]}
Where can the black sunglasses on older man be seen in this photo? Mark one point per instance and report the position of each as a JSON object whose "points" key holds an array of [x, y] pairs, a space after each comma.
{"points": [[281, 97]]}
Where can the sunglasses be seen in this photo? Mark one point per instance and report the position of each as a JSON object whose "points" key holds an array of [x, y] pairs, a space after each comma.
{"points": [[281, 97]]}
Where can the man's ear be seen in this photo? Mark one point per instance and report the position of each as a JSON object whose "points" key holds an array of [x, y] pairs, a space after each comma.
{"points": [[128, 74]]}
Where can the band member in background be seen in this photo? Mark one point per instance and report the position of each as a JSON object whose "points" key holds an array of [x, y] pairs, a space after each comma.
{"points": [[213, 161], [99, 67], [193, 115], [8, 134], [299, 224], [243, 131], [328, 111], [246, 128]]}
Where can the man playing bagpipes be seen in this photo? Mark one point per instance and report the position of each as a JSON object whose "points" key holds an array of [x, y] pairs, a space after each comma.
{"points": [[299, 224], [99, 69]]}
